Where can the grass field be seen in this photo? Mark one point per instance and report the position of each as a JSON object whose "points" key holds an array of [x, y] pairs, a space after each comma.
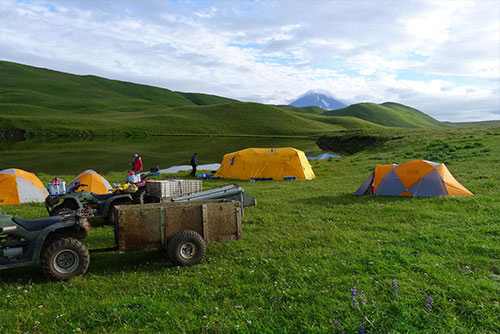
{"points": [[415, 265]]}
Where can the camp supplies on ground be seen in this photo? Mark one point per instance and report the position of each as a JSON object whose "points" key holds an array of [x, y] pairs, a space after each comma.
{"points": [[18, 186], [93, 181], [416, 178], [158, 189], [275, 163]]}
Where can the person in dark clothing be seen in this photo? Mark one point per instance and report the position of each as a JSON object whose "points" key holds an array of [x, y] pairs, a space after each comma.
{"points": [[194, 164]]}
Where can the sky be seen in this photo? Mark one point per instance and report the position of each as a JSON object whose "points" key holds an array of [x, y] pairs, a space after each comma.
{"points": [[441, 57]]}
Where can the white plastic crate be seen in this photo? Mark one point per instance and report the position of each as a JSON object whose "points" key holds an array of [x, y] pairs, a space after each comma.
{"points": [[170, 188], [57, 188], [136, 178]]}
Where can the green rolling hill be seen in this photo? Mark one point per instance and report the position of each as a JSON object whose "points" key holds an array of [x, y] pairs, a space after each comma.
{"points": [[36, 101], [388, 114]]}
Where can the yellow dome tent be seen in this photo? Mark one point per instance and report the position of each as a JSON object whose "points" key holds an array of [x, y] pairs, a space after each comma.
{"points": [[18, 186], [416, 178], [275, 163], [95, 182]]}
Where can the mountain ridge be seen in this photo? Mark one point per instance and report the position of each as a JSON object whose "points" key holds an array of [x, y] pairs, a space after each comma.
{"points": [[319, 98]]}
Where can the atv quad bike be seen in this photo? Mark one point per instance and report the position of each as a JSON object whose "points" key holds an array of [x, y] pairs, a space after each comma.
{"points": [[102, 205], [55, 242]]}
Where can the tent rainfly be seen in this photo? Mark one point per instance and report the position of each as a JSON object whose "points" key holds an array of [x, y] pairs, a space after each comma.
{"points": [[18, 186], [94, 181], [416, 178], [275, 163]]}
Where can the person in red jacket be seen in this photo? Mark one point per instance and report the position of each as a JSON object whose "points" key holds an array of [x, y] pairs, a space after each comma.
{"points": [[137, 164]]}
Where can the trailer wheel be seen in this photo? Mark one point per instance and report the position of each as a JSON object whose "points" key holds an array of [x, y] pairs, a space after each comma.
{"points": [[186, 248], [65, 258]]}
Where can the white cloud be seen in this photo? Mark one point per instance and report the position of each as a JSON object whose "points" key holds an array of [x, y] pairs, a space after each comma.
{"points": [[272, 52]]}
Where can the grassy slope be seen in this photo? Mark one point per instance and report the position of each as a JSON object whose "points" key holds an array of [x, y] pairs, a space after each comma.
{"points": [[225, 119], [388, 114], [306, 244], [68, 104], [308, 110]]}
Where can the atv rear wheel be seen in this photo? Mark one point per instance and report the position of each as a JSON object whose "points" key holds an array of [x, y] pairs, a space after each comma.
{"points": [[65, 258], [186, 248]]}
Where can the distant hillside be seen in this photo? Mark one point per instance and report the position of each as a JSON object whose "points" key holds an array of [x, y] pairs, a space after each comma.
{"points": [[57, 90], [308, 110], [318, 98], [35, 101], [388, 114]]}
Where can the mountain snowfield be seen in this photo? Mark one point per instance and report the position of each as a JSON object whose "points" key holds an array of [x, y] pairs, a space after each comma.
{"points": [[319, 98]]}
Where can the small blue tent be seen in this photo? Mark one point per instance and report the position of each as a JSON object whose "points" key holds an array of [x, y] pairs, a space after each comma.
{"points": [[324, 156]]}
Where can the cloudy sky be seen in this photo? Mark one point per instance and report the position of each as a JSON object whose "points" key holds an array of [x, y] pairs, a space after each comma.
{"points": [[441, 57]]}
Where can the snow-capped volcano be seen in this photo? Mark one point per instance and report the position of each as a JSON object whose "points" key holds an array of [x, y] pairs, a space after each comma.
{"points": [[320, 98]]}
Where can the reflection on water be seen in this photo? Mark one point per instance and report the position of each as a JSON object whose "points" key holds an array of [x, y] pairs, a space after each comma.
{"points": [[71, 155]]}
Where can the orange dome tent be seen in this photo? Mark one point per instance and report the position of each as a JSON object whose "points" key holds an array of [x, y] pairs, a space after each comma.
{"points": [[95, 182], [18, 186], [416, 178], [275, 163]]}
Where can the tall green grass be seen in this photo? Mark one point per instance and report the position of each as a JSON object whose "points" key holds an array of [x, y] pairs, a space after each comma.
{"points": [[305, 246]]}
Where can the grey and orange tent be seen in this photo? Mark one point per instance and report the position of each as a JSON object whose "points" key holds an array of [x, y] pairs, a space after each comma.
{"points": [[18, 186], [416, 178]]}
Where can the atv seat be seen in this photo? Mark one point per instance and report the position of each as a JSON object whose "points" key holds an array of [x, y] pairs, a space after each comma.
{"points": [[103, 196], [37, 224]]}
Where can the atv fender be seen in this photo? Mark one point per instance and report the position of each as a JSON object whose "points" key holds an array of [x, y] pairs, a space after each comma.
{"points": [[35, 250], [113, 199], [68, 202]]}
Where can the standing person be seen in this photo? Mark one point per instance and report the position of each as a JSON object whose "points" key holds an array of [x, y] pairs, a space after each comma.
{"points": [[136, 164], [194, 164]]}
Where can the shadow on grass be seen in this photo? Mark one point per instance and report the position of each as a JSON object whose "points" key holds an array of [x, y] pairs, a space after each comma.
{"points": [[101, 264], [350, 199]]}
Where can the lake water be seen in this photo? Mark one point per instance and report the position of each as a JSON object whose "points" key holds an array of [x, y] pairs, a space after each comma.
{"points": [[59, 156]]}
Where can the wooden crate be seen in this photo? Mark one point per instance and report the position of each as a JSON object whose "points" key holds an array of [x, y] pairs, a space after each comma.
{"points": [[149, 226]]}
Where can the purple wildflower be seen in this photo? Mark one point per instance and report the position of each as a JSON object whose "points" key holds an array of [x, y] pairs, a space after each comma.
{"points": [[361, 329], [354, 293], [428, 303], [337, 324], [395, 287]]}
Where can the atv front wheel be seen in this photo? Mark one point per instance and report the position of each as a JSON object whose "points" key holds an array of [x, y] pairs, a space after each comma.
{"points": [[65, 258], [186, 248]]}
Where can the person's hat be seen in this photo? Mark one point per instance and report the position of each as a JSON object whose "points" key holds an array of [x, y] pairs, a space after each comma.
{"points": [[136, 155]]}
